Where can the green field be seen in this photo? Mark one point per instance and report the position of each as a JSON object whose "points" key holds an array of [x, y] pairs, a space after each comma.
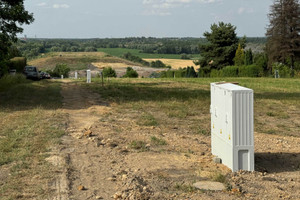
{"points": [[121, 51]]}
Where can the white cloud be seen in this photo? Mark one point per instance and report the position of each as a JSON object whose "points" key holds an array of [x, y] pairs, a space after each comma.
{"points": [[61, 6], [163, 7], [243, 10], [42, 4]]}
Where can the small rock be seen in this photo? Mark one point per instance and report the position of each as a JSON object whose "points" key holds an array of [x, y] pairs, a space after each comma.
{"points": [[99, 197], [112, 178], [147, 146], [217, 160], [202, 153], [80, 187], [117, 195]]}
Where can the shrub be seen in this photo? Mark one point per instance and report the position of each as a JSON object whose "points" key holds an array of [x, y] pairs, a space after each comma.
{"points": [[61, 69], [154, 75], [131, 73], [7, 80], [109, 72], [17, 63], [251, 71], [216, 73], [284, 71], [133, 58], [185, 56], [158, 64], [230, 71]]}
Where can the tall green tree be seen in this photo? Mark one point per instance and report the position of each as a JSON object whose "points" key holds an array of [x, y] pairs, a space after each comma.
{"points": [[12, 15], [283, 44], [239, 56], [221, 47], [248, 57]]}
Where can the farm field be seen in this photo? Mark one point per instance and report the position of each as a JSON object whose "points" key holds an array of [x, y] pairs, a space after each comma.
{"points": [[150, 139], [75, 60], [176, 63], [121, 51]]}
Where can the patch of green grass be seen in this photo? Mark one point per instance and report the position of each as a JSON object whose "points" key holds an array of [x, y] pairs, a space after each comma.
{"points": [[158, 141], [138, 145], [147, 119]]}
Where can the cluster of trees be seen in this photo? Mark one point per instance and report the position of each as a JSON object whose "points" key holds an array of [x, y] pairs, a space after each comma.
{"points": [[110, 72], [154, 64], [12, 15], [187, 72]]}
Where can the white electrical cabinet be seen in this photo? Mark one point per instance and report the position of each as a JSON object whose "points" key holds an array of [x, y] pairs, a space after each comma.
{"points": [[232, 138]]}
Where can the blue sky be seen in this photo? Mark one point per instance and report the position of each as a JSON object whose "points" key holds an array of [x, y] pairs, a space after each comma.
{"points": [[136, 18]]}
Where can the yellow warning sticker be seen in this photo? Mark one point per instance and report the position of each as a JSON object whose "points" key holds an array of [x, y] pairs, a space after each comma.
{"points": [[229, 137], [221, 131]]}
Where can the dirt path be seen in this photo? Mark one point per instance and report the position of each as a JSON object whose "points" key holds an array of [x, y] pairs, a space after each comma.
{"points": [[98, 159]]}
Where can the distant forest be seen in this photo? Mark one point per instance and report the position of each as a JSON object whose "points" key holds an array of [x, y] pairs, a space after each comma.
{"points": [[33, 47]]}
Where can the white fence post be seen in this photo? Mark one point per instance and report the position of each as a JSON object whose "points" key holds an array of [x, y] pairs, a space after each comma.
{"points": [[62, 76], [76, 74], [88, 76]]}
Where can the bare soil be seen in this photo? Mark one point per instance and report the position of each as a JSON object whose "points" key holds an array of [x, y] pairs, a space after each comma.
{"points": [[98, 159]]}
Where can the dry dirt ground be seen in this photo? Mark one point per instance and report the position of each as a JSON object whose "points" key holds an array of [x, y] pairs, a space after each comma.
{"points": [[97, 159]]}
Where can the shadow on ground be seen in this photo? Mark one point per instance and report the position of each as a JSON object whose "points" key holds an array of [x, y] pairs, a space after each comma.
{"points": [[277, 162]]}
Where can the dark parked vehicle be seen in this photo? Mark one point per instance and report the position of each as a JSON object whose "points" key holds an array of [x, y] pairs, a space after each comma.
{"points": [[31, 72], [45, 75]]}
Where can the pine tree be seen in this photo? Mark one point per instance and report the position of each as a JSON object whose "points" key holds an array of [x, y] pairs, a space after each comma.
{"points": [[239, 56], [283, 32], [221, 47]]}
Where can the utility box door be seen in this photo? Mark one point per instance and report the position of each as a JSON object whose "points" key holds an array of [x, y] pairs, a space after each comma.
{"points": [[232, 137]]}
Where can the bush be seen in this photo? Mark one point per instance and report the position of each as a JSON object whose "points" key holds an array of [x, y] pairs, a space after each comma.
{"points": [[109, 72], [131, 73], [7, 80], [157, 64], [185, 56], [17, 63], [133, 58], [230, 71], [216, 73], [284, 71], [61, 69], [251, 71]]}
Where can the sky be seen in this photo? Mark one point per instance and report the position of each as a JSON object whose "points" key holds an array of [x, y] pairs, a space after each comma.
{"points": [[148, 18]]}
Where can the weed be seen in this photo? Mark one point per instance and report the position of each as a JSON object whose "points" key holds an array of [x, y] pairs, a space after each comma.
{"points": [[218, 177], [138, 145], [185, 187], [271, 114], [158, 141], [147, 120]]}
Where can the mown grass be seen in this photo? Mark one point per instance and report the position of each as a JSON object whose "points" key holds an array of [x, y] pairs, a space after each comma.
{"points": [[30, 126], [121, 51], [186, 102]]}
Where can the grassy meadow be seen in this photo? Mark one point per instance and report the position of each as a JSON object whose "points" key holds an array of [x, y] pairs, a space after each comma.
{"points": [[30, 126], [185, 102]]}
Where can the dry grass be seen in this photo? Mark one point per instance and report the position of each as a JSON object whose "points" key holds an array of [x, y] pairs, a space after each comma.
{"points": [[101, 65], [175, 63], [30, 125]]}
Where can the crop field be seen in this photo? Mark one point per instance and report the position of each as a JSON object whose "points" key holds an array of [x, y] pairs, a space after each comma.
{"points": [[121, 51], [176, 63]]}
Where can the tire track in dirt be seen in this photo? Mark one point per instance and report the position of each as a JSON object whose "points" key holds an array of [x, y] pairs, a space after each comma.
{"points": [[73, 158]]}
